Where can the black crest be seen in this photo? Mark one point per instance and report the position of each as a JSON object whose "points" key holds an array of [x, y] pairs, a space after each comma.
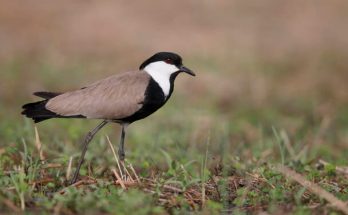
{"points": [[168, 57]]}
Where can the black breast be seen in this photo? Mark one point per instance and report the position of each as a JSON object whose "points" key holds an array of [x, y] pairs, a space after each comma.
{"points": [[154, 99]]}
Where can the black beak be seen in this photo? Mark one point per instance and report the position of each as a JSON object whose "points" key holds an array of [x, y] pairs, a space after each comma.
{"points": [[187, 70]]}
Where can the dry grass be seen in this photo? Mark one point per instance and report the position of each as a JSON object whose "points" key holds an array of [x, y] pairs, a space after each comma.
{"points": [[335, 202]]}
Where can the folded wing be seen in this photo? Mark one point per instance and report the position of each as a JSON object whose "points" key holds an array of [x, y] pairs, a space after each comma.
{"points": [[115, 97]]}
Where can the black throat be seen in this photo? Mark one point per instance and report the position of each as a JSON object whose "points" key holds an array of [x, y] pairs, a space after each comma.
{"points": [[154, 99]]}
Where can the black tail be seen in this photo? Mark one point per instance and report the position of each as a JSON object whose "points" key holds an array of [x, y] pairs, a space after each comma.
{"points": [[37, 111]]}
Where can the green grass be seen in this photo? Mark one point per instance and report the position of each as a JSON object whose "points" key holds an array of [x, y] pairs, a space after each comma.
{"points": [[230, 161], [203, 153]]}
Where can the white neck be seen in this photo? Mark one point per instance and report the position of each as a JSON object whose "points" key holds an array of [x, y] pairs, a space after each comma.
{"points": [[161, 71]]}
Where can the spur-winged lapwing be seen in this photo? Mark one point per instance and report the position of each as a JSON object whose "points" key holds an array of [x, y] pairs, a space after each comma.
{"points": [[122, 98]]}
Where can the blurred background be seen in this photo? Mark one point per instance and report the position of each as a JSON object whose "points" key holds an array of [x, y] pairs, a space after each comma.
{"points": [[259, 65]]}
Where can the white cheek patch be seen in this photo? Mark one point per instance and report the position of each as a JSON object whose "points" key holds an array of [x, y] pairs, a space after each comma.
{"points": [[161, 71]]}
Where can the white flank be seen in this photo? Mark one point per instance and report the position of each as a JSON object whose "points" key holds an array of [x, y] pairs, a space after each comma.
{"points": [[160, 71]]}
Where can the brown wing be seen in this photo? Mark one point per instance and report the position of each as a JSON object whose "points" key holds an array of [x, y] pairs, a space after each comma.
{"points": [[115, 97]]}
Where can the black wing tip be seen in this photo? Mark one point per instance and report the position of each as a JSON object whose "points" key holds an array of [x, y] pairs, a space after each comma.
{"points": [[46, 95]]}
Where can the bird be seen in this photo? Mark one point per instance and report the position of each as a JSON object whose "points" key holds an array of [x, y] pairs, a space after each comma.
{"points": [[121, 98]]}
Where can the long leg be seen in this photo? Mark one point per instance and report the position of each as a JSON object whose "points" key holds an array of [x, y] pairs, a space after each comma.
{"points": [[121, 153], [88, 139]]}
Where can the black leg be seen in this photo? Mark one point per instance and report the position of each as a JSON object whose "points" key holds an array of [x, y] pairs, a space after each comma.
{"points": [[121, 153], [88, 139]]}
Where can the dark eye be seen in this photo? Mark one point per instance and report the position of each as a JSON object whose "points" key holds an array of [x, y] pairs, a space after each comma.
{"points": [[169, 61]]}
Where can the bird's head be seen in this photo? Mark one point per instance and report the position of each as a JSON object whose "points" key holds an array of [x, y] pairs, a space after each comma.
{"points": [[165, 63]]}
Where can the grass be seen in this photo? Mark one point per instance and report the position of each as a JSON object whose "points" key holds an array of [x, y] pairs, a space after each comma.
{"points": [[229, 167]]}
